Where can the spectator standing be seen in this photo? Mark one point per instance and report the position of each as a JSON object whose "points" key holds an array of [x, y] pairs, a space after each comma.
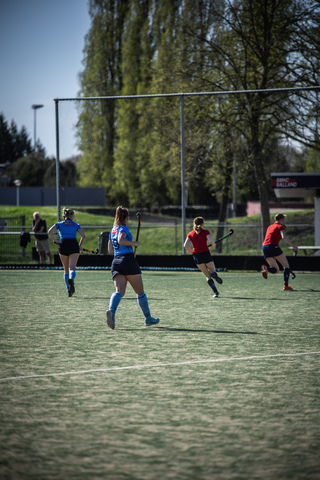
{"points": [[39, 227]]}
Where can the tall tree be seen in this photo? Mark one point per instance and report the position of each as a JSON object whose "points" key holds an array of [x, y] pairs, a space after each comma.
{"points": [[177, 68], [30, 170], [101, 76], [137, 53], [146, 46], [252, 50]]}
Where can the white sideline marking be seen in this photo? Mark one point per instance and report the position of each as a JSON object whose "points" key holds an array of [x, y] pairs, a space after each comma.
{"points": [[131, 367]]}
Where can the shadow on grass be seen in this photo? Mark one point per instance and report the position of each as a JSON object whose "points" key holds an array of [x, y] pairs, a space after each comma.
{"points": [[192, 330], [256, 298], [284, 299], [149, 298], [308, 290], [208, 331], [82, 297]]}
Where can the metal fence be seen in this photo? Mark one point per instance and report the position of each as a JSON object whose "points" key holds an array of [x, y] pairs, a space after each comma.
{"points": [[9, 244], [156, 239]]}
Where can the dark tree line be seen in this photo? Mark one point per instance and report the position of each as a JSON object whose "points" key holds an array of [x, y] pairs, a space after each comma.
{"points": [[13, 143], [34, 169]]}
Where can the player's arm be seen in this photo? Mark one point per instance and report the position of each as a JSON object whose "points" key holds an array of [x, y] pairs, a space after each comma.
{"points": [[110, 246], [122, 240], [286, 239], [186, 245], [51, 231], [83, 237], [209, 238]]}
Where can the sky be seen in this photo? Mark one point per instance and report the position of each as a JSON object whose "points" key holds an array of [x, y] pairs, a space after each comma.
{"points": [[41, 57]]}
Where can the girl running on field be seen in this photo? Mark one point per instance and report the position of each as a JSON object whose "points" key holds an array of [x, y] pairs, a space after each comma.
{"points": [[69, 249], [201, 254], [125, 268], [273, 253]]}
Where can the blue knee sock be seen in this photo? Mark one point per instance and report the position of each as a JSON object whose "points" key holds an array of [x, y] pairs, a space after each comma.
{"points": [[72, 274], [66, 278], [114, 301], [143, 304]]}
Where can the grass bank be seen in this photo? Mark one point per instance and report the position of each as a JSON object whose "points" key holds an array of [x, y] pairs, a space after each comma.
{"points": [[158, 236]]}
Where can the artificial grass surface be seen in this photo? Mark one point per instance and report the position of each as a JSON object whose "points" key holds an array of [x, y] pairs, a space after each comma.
{"points": [[223, 388]]}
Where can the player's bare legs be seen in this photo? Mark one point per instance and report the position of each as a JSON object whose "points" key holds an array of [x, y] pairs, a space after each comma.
{"points": [[208, 269], [120, 283]]}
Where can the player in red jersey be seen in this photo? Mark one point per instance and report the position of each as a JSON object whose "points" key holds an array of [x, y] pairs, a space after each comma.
{"points": [[273, 253], [199, 238]]}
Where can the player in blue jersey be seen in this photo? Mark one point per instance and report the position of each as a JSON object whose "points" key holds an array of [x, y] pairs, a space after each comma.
{"points": [[125, 268], [69, 249]]}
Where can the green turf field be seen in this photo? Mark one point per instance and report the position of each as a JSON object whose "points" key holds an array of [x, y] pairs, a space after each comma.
{"points": [[223, 388]]}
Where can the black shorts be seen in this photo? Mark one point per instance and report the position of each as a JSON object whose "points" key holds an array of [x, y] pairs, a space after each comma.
{"points": [[203, 257], [69, 246], [270, 251], [125, 265]]}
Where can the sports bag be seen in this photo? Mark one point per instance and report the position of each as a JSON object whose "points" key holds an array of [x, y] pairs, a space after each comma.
{"points": [[24, 239]]}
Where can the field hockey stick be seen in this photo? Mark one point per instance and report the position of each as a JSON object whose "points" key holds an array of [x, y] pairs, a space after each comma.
{"points": [[95, 252], [293, 274], [225, 236], [138, 214]]}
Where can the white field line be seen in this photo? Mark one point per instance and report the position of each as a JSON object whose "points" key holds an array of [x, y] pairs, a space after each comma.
{"points": [[157, 365]]}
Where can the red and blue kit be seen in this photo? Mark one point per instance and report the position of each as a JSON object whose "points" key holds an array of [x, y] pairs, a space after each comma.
{"points": [[273, 234], [270, 245], [199, 241]]}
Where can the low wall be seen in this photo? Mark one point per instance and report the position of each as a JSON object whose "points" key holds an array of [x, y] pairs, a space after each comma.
{"points": [[47, 196], [225, 262]]}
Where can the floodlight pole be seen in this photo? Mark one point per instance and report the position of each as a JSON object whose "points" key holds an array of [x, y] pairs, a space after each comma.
{"points": [[234, 182], [57, 160], [18, 184], [35, 108], [183, 176]]}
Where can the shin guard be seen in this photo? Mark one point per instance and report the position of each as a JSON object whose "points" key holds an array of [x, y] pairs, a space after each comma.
{"points": [[286, 273], [144, 305], [66, 278], [114, 301], [272, 270], [211, 284]]}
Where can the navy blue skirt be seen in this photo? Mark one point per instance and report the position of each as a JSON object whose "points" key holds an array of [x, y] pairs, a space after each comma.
{"points": [[125, 265], [203, 257], [270, 251], [68, 246]]}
